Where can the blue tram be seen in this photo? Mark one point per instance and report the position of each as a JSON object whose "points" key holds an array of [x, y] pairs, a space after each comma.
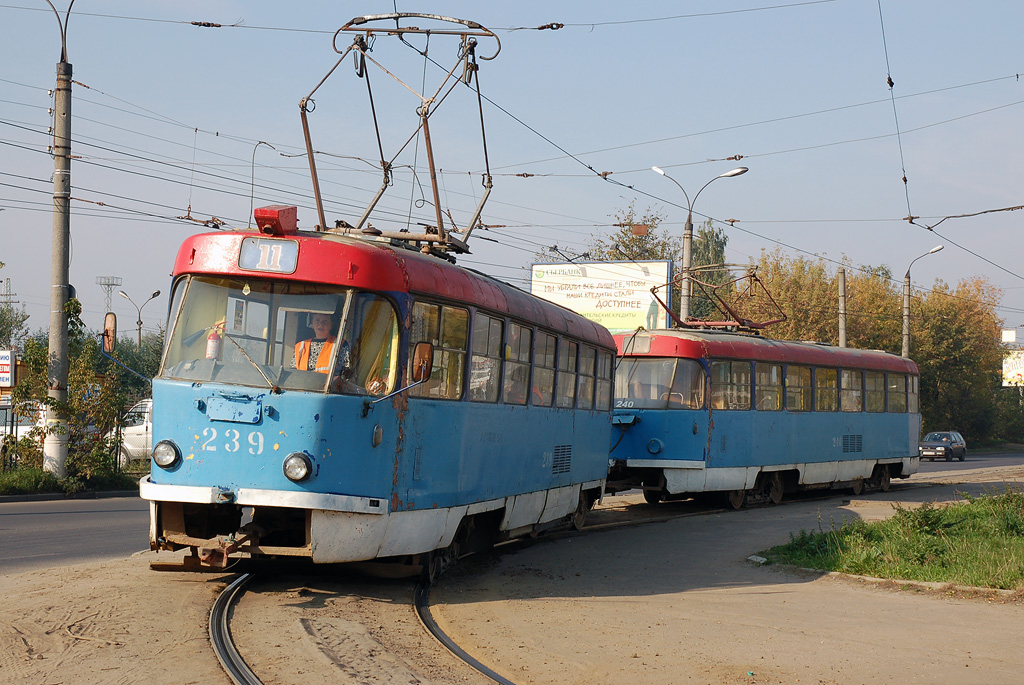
{"points": [[435, 408], [715, 411]]}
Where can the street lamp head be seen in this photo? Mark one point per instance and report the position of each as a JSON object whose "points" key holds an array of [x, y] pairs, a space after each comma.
{"points": [[658, 170], [738, 171], [156, 294], [935, 249], [124, 295]]}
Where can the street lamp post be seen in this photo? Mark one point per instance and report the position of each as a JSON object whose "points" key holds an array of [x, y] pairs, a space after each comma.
{"points": [[906, 301], [138, 308], [684, 299]]}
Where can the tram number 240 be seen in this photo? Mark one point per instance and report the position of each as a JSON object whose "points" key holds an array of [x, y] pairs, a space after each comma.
{"points": [[231, 441]]}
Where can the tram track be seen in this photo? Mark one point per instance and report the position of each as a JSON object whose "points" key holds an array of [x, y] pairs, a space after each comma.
{"points": [[220, 633]]}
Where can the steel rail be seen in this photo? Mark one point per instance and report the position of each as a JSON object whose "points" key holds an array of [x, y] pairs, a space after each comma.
{"points": [[421, 596], [220, 633]]}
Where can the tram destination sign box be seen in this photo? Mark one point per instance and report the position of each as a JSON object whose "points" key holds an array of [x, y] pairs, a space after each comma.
{"points": [[616, 295]]}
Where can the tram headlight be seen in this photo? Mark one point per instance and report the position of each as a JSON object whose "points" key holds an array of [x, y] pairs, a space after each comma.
{"points": [[297, 467], [166, 454]]}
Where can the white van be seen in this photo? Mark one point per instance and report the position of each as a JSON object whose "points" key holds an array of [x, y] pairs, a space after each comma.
{"points": [[136, 434]]}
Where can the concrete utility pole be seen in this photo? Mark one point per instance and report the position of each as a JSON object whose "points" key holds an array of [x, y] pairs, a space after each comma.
{"points": [[55, 445], [841, 277]]}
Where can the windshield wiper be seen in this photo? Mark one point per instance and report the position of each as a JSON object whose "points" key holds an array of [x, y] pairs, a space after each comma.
{"points": [[273, 386]]}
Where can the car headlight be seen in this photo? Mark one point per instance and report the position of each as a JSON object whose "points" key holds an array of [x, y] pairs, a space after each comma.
{"points": [[297, 467], [166, 454]]}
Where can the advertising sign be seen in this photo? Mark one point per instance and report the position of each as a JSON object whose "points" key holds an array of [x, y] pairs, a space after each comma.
{"points": [[6, 368], [1013, 368], [616, 295]]}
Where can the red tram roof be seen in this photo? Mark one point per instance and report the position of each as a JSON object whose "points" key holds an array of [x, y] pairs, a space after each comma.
{"points": [[692, 344], [358, 263]]}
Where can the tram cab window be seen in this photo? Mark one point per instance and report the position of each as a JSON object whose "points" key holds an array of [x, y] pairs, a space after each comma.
{"points": [[897, 395], [517, 364], [730, 385], [447, 329], [826, 390], [798, 388], [851, 391], [656, 383], [768, 386], [544, 360], [367, 348], [566, 395], [874, 391], [485, 364], [588, 367], [244, 331]]}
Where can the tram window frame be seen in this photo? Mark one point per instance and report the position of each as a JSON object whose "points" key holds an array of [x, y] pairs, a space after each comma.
{"points": [[768, 386], [896, 394], [874, 391], [851, 395], [734, 393], [451, 347], [799, 397], [518, 348], [545, 361], [485, 362], [826, 395], [603, 391], [586, 381], [913, 394], [565, 381]]}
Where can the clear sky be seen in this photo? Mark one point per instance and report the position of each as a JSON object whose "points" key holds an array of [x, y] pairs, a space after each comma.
{"points": [[167, 115]]}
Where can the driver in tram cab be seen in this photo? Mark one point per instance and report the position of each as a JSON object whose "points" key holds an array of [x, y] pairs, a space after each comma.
{"points": [[314, 354]]}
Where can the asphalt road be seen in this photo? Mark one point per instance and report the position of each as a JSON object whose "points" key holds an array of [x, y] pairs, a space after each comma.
{"points": [[980, 460], [45, 534]]}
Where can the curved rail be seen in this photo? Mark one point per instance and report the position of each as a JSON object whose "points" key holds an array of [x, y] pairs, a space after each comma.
{"points": [[421, 595], [220, 634]]}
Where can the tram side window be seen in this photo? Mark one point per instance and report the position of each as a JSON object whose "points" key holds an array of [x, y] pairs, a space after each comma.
{"points": [[544, 359], [874, 391], [852, 391], [517, 364], [566, 395], [798, 388], [897, 393], [588, 367], [768, 388], [730, 385], [604, 380], [368, 354], [485, 365], [826, 389], [913, 397], [447, 329]]}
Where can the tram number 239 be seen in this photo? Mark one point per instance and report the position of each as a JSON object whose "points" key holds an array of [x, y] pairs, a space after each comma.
{"points": [[231, 440]]}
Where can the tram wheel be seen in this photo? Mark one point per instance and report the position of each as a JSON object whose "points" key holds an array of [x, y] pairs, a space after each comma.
{"points": [[775, 488], [737, 498], [857, 487], [579, 515], [884, 480], [652, 496]]}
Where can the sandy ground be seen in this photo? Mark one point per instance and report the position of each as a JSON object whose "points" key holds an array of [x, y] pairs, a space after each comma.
{"points": [[668, 601]]}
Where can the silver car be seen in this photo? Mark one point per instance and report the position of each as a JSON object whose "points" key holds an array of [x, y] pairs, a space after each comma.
{"points": [[948, 445], [136, 434]]}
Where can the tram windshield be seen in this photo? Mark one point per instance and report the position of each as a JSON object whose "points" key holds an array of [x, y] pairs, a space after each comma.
{"points": [[297, 336], [655, 383]]}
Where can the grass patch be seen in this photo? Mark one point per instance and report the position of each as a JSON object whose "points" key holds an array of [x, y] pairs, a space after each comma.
{"points": [[978, 542], [35, 481]]}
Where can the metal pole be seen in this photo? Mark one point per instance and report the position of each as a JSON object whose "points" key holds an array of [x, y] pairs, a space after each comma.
{"points": [[906, 314], [55, 444], [842, 306]]}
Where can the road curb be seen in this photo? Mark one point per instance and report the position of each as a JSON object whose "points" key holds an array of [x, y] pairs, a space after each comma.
{"points": [[86, 494]]}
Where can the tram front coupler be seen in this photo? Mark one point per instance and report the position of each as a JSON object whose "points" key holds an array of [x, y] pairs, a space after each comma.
{"points": [[248, 536]]}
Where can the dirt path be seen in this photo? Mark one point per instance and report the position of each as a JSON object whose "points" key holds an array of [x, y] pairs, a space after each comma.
{"points": [[670, 601]]}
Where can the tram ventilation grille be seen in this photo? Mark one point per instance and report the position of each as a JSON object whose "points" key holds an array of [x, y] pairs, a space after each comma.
{"points": [[853, 443], [562, 461]]}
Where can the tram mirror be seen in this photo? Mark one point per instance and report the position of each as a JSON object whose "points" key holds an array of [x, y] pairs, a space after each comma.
{"points": [[422, 361], [109, 332]]}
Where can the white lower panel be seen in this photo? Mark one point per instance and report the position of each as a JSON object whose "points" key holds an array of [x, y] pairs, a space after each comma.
{"points": [[260, 498], [345, 536], [683, 480], [524, 510], [561, 502]]}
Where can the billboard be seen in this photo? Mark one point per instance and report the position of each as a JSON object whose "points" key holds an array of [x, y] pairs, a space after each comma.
{"points": [[616, 295], [1013, 368], [6, 368]]}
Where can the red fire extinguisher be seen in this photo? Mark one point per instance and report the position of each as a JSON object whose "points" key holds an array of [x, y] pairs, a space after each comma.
{"points": [[213, 344]]}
